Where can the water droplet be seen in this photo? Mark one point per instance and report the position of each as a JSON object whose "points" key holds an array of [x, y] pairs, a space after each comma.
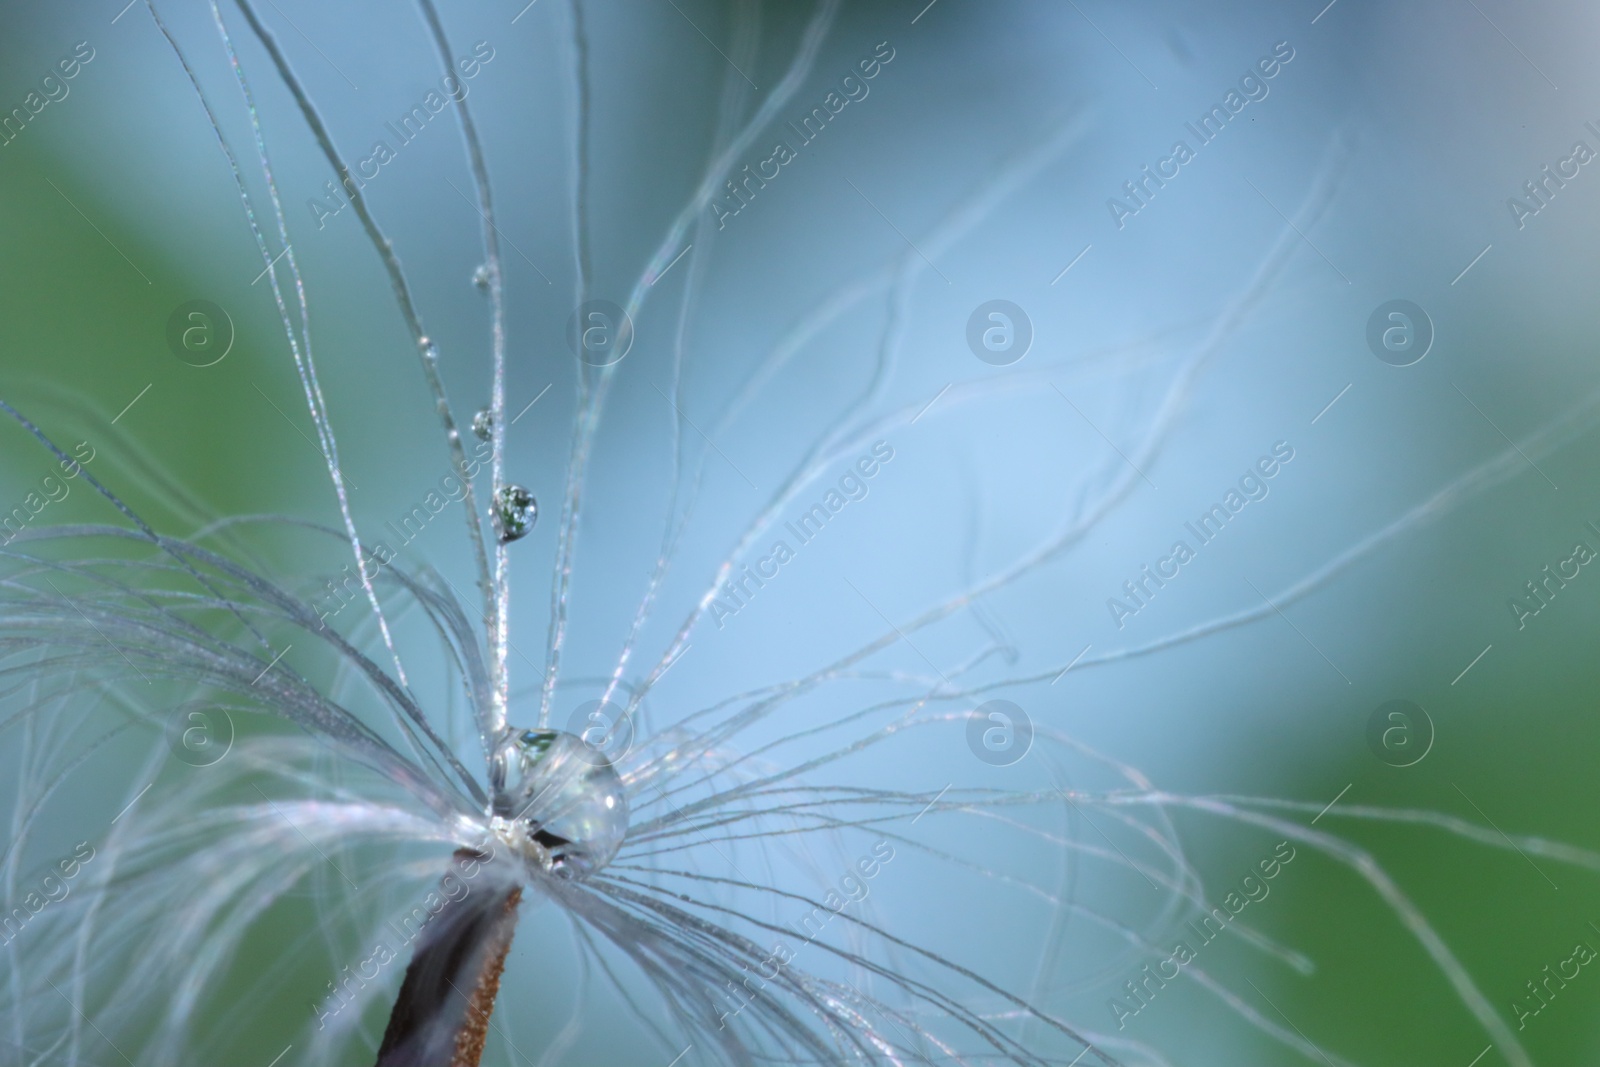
{"points": [[483, 424], [558, 801], [515, 513], [480, 277]]}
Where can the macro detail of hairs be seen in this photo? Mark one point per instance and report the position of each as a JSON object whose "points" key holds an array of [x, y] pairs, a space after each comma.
{"points": [[736, 532]]}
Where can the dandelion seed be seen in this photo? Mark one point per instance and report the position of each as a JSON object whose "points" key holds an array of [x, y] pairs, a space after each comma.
{"points": [[759, 872]]}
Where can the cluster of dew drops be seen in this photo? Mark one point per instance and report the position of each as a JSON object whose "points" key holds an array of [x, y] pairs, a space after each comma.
{"points": [[557, 800], [515, 510]]}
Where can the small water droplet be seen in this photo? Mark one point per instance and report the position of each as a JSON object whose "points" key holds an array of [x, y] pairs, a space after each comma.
{"points": [[515, 513], [483, 424], [480, 277], [557, 801]]}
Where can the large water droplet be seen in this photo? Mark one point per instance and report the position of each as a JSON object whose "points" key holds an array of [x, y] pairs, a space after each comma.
{"points": [[480, 277], [558, 801], [515, 513], [483, 424]]}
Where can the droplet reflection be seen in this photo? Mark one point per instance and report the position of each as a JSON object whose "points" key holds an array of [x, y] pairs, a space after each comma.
{"points": [[515, 513], [557, 801]]}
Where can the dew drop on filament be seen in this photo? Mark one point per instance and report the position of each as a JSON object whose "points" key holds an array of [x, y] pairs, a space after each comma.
{"points": [[480, 277], [515, 513], [557, 801], [483, 424]]}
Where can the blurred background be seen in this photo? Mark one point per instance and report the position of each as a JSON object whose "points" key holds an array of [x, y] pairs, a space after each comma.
{"points": [[1230, 306]]}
